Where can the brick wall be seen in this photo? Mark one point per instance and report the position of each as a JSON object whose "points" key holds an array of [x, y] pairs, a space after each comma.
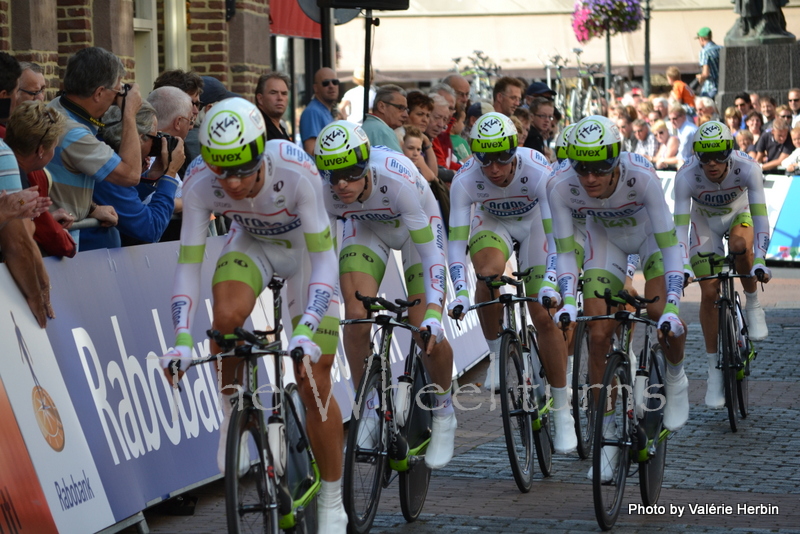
{"points": [[208, 38], [5, 30]]}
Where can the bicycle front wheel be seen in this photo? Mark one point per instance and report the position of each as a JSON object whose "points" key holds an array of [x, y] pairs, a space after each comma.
{"points": [[543, 437], [417, 431], [582, 401], [300, 471], [651, 472], [612, 441], [515, 402], [743, 364], [726, 339], [250, 493], [365, 458]]}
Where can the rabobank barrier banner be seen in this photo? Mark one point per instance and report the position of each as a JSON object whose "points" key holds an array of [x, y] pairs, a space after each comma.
{"points": [[105, 434]]}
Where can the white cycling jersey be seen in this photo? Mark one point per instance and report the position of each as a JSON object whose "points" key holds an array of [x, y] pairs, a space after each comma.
{"points": [[400, 208], [634, 219], [712, 208], [520, 210], [286, 216]]}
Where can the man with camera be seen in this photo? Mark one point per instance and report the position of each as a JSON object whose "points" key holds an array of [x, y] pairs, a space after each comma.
{"points": [[92, 84]]}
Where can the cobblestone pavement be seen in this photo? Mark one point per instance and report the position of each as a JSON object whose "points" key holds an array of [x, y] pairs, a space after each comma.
{"points": [[707, 464]]}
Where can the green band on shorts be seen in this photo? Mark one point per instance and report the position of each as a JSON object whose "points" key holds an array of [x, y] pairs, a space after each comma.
{"points": [[654, 266], [415, 283], [565, 244], [487, 239], [744, 218], [238, 267], [319, 242], [459, 233], [191, 254], [326, 336], [360, 259], [598, 280], [534, 281], [666, 239], [702, 266]]}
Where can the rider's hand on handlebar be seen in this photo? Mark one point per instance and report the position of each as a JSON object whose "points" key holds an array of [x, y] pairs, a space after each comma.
{"points": [[310, 348], [181, 355], [462, 301], [436, 330], [688, 277], [766, 273], [675, 325], [550, 293], [570, 311]]}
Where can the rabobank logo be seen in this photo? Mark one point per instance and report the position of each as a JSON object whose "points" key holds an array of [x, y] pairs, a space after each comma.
{"points": [[44, 409]]}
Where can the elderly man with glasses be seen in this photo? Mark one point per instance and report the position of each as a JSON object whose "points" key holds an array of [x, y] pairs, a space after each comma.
{"points": [[32, 84], [319, 111], [684, 131], [389, 111]]}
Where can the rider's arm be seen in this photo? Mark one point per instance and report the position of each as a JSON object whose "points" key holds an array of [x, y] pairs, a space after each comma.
{"points": [[324, 264], [758, 210], [682, 216], [563, 237], [421, 215], [460, 204], [547, 223], [667, 240]]}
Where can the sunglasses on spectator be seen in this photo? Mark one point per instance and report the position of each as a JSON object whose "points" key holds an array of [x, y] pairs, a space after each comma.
{"points": [[32, 93], [661, 132], [786, 116], [326, 83], [47, 131], [794, 100]]}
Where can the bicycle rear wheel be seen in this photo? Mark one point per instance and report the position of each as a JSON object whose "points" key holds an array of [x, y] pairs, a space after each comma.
{"points": [[582, 400], [612, 441], [365, 459], [726, 340], [651, 472], [417, 431], [250, 499], [542, 438], [514, 403], [743, 363], [300, 471]]}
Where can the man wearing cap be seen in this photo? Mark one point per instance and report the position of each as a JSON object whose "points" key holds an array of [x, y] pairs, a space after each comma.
{"points": [[538, 89], [709, 61]]}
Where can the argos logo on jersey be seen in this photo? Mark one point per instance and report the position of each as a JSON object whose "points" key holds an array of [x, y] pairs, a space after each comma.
{"points": [[293, 154], [393, 165], [259, 227], [611, 213], [718, 198], [509, 207]]}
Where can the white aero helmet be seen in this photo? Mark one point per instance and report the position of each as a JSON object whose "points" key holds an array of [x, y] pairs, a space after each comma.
{"points": [[562, 142], [232, 137], [493, 139], [342, 152], [595, 145], [713, 142]]}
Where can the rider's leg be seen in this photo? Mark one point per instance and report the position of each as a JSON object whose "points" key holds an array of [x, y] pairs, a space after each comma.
{"points": [[356, 336], [488, 261], [709, 321], [742, 239]]}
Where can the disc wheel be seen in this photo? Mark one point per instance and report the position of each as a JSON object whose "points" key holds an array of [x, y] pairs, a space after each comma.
{"points": [[612, 441], [542, 438], [515, 403], [728, 349], [582, 401], [365, 459], [651, 472], [250, 496], [414, 482]]}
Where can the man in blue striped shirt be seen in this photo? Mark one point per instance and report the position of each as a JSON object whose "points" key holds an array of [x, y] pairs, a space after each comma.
{"points": [[709, 61]]}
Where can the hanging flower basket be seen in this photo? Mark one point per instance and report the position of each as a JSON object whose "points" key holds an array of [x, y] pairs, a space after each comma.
{"points": [[592, 18]]}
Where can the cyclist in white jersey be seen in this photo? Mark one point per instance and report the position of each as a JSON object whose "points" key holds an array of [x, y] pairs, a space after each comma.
{"points": [[506, 186], [626, 213], [386, 204], [721, 190], [273, 194]]}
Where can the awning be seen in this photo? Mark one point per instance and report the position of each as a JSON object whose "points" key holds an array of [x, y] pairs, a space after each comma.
{"points": [[286, 18]]}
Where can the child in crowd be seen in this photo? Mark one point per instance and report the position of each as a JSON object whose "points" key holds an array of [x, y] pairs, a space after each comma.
{"points": [[412, 148], [746, 143], [460, 147], [680, 91]]}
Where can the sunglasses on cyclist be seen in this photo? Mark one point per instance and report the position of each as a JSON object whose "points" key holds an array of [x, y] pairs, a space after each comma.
{"points": [[350, 174], [503, 157], [237, 172], [716, 157], [598, 168]]}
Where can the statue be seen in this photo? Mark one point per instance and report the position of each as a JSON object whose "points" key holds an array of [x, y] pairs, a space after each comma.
{"points": [[760, 22]]}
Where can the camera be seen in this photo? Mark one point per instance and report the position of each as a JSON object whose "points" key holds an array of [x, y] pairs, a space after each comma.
{"points": [[155, 150]]}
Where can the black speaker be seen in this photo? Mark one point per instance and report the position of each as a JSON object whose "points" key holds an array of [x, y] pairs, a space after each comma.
{"points": [[385, 5]]}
